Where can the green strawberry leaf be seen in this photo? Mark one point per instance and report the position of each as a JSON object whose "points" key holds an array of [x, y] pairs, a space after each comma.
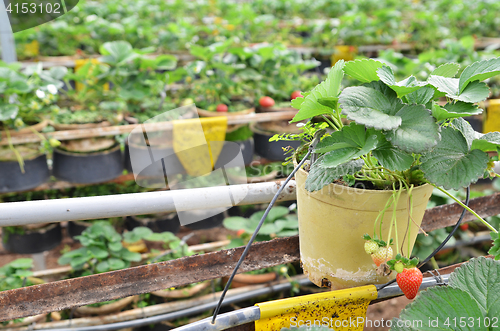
{"points": [[467, 131], [418, 131], [479, 71], [8, 111], [421, 96], [330, 102], [350, 143], [391, 157], [480, 277], [454, 110], [309, 106], [353, 135], [320, 176], [440, 304], [370, 107], [402, 88], [130, 256], [452, 164], [364, 70], [235, 223], [474, 92], [98, 253], [488, 142], [446, 70], [116, 264]]}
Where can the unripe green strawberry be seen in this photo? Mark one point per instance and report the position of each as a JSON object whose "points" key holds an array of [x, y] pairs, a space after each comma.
{"points": [[383, 254], [370, 246], [409, 281], [54, 142], [399, 267]]}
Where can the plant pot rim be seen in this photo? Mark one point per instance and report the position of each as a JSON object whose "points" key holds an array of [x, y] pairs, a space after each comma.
{"points": [[86, 154], [356, 190], [38, 127], [182, 293], [106, 309], [77, 126]]}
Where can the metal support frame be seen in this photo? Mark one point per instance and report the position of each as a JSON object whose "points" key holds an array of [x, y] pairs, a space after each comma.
{"points": [[8, 47]]}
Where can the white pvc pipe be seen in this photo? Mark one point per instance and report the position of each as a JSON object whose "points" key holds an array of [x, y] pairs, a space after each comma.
{"points": [[76, 209]]}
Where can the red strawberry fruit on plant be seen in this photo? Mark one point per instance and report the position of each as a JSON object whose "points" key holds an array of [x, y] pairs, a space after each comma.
{"points": [[221, 108], [409, 277], [266, 102], [240, 232], [296, 94], [409, 281]]}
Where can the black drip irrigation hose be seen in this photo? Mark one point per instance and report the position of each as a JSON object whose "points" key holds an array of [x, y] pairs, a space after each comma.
{"points": [[455, 228]]}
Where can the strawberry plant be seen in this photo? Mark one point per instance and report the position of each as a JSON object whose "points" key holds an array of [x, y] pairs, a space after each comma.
{"points": [[469, 302], [401, 135]]}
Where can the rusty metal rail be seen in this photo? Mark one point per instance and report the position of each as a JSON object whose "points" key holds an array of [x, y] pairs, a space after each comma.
{"points": [[64, 294]]}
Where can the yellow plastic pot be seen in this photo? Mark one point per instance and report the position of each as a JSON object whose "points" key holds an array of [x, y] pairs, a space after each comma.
{"points": [[332, 222]]}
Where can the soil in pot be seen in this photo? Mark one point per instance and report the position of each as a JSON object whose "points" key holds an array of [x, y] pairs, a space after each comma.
{"points": [[157, 222], [273, 151], [332, 222], [88, 168], [30, 239]]}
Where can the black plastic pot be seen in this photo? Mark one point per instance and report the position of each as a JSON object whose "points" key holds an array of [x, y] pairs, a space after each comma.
{"points": [[231, 150], [272, 151], [33, 241], [155, 169], [88, 168], [36, 172], [159, 223], [206, 223]]}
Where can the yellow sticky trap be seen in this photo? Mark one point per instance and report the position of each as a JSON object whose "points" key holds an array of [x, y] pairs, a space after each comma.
{"points": [[492, 121], [32, 49], [198, 143], [344, 52], [80, 63], [338, 310]]}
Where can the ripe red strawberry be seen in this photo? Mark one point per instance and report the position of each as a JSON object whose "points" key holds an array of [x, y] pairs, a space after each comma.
{"points": [[464, 227], [221, 108], [383, 254], [266, 102], [409, 281], [296, 94]]}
